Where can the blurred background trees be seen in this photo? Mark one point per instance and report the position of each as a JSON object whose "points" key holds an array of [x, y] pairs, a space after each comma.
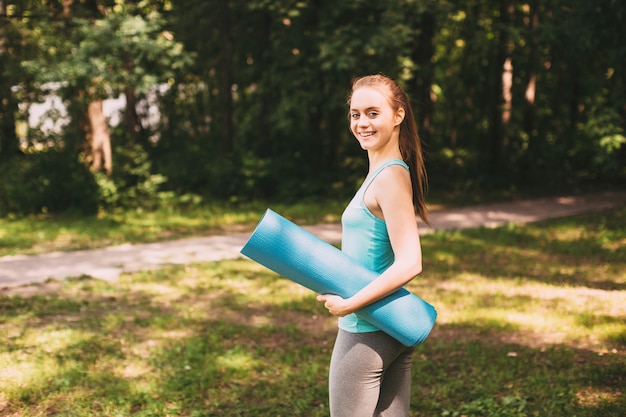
{"points": [[236, 100]]}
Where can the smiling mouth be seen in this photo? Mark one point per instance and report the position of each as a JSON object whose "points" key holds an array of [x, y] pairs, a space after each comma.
{"points": [[366, 134]]}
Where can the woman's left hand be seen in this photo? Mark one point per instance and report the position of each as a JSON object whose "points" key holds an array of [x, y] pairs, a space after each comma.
{"points": [[336, 305]]}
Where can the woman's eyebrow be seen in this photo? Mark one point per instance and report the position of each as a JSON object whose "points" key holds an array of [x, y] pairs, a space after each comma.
{"points": [[368, 108]]}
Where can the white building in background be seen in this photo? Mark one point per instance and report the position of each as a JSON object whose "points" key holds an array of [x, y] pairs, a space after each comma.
{"points": [[50, 116]]}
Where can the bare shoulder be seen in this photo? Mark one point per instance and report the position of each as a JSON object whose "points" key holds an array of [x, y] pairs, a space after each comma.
{"points": [[390, 190], [394, 177], [392, 187]]}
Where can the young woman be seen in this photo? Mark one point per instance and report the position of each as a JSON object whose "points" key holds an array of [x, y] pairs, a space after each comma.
{"points": [[370, 372]]}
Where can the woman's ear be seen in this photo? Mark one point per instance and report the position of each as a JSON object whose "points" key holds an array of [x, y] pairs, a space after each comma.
{"points": [[399, 116]]}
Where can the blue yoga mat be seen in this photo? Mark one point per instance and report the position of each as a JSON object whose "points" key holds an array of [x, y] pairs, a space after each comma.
{"points": [[302, 257]]}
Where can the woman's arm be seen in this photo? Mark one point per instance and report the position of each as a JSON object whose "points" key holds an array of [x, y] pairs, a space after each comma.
{"points": [[389, 196]]}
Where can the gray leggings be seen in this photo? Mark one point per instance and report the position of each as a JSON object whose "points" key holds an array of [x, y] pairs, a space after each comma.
{"points": [[370, 376]]}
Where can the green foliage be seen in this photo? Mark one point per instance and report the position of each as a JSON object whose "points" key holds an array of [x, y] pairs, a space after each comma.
{"points": [[107, 54], [133, 184], [93, 54], [51, 181], [251, 97], [609, 142]]}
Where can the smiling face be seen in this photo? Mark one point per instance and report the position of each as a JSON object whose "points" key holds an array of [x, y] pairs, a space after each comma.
{"points": [[373, 121]]}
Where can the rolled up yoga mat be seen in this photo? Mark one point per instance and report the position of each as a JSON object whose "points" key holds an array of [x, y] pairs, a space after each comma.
{"points": [[302, 257]]}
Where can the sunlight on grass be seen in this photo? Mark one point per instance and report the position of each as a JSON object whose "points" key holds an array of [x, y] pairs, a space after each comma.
{"points": [[25, 371], [40, 234], [53, 339], [160, 292], [236, 360], [532, 322], [556, 312], [593, 397]]}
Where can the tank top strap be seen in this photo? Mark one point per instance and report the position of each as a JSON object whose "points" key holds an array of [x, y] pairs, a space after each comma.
{"points": [[371, 178]]}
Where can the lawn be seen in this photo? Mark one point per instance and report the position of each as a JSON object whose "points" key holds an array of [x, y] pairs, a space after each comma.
{"points": [[44, 233], [532, 322]]}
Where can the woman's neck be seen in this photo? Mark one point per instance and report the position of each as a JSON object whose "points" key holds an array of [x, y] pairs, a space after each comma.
{"points": [[376, 159]]}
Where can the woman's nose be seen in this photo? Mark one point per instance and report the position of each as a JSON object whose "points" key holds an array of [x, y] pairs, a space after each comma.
{"points": [[362, 121]]}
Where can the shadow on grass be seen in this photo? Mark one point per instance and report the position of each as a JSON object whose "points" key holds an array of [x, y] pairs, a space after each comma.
{"points": [[129, 353], [138, 355], [593, 255], [232, 339], [472, 371]]}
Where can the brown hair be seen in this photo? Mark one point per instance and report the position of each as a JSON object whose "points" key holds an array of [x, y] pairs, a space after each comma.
{"points": [[409, 140]]}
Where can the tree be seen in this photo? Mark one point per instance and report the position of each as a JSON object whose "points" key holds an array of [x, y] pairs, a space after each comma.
{"points": [[110, 49], [10, 46], [252, 94]]}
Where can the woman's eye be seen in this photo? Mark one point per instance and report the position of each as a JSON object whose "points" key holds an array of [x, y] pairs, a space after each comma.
{"points": [[354, 115], [372, 114]]}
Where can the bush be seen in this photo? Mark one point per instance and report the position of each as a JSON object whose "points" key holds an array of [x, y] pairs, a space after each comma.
{"points": [[49, 181], [133, 184]]}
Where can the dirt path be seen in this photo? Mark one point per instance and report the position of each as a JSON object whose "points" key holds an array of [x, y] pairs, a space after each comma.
{"points": [[109, 263]]}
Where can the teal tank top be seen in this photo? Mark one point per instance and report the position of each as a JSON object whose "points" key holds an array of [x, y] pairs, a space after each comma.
{"points": [[365, 238]]}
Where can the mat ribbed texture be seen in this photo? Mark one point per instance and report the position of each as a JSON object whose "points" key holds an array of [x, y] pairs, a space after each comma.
{"points": [[302, 257]]}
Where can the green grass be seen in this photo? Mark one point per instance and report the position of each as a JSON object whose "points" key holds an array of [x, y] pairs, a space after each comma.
{"points": [[186, 216], [47, 233], [532, 322]]}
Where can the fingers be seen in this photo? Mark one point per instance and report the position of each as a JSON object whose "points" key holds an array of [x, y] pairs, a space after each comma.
{"points": [[325, 298], [332, 303]]}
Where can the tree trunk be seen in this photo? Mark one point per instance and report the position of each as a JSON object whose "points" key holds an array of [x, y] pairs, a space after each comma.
{"points": [[8, 105], [264, 145], [531, 82], [507, 93], [422, 55], [100, 138], [131, 119], [226, 78], [502, 98], [9, 144]]}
